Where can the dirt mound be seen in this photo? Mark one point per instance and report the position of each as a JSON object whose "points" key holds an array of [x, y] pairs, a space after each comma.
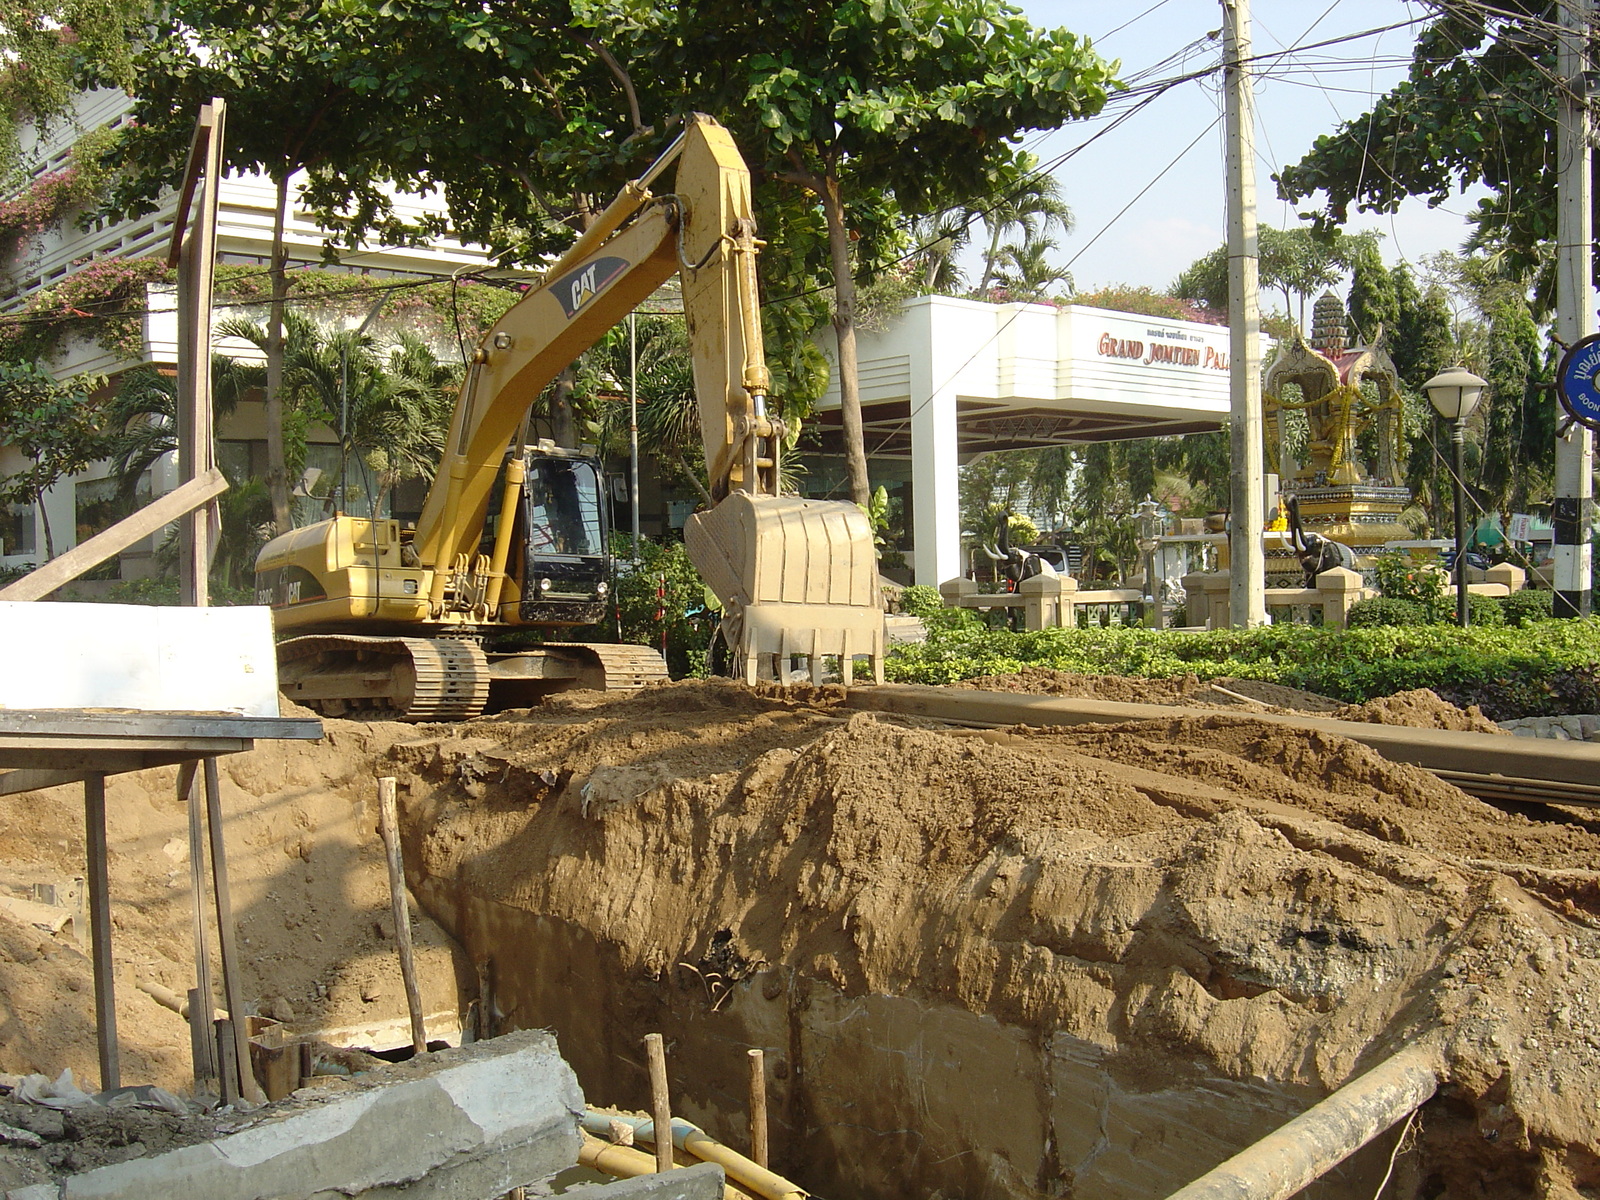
{"points": [[1188, 690], [1421, 708], [1194, 925], [1215, 896]]}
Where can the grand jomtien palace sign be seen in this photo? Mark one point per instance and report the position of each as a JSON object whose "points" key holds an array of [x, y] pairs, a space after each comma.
{"points": [[1165, 346]]}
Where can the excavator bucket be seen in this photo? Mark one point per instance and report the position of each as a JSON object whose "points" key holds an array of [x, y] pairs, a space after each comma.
{"points": [[796, 577]]}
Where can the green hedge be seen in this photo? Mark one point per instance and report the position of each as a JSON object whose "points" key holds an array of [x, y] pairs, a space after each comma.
{"points": [[1546, 667]]}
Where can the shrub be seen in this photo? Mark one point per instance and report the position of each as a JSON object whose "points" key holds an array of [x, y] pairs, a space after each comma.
{"points": [[1545, 668], [1400, 577], [1528, 605], [1386, 610], [661, 602], [919, 600]]}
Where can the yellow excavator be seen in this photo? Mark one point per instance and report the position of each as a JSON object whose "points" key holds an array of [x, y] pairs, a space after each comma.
{"points": [[414, 624]]}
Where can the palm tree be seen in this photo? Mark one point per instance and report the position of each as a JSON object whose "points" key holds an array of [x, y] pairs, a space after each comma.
{"points": [[1032, 205], [1024, 270]]}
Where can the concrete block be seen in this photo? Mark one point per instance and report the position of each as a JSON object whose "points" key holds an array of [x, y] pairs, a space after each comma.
{"points": [[475, 1121], [703, 1181]]}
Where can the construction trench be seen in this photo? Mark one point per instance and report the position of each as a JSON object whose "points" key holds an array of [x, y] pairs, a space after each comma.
{"points": [[1090, 960]]}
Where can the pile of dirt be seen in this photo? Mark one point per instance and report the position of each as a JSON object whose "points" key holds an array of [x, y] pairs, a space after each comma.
{"points": [[1189, 690], [1420, 708], [1175, 907]]}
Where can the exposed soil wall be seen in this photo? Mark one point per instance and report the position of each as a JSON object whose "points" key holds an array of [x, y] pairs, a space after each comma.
{"points": [[1090, 962]]}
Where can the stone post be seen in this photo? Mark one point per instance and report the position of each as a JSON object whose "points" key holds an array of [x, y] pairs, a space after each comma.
{"points": [[1514, 577], [952, 590], [1217, 585], [1048, 600], [1340, 588]]}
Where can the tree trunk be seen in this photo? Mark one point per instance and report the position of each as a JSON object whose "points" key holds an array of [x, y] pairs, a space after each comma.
{"points": [[277, 461], [563, 424], [44, 519], [844, 326]]}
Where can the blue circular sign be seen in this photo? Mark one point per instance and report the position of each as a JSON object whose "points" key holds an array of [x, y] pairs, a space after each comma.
{"points": [[1578, 381]]}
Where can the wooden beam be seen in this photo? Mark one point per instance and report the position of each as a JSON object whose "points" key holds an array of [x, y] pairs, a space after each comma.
{"points": [[12, 782], [199, 143], [232, 988], [38, 584], [202, 1035], [1439, 750], [105, 995]]}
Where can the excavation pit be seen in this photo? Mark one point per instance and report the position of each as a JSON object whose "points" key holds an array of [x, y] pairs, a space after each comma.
{"points": [[1092, 961]]}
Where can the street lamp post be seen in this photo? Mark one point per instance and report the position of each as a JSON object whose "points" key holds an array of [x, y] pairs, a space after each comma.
{"points": [[1454, 394]]}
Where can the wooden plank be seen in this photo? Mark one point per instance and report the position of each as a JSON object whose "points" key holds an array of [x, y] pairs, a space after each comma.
{"points": [[198, 145], [1443, 750], [232, 989], [83, 762], [389, 829], [30, 780], [105, 997], [38, 584], [196, 270], [202, 1044]]}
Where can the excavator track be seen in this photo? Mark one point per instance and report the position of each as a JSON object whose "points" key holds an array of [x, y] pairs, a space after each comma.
{"points": [[385, 678], [626, 667]]}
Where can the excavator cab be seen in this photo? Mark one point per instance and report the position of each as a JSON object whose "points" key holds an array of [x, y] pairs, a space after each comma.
{"points": [[565, 563]]}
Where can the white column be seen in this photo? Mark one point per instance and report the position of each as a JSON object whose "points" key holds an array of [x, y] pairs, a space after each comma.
{"points": [[935, 500]]}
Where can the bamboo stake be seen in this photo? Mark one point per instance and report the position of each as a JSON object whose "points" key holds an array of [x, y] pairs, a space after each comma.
{"points": [[389, 826], [758, 1107], [660, 1104]]}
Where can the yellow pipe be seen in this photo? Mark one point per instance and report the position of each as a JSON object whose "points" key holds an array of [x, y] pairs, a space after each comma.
{"points": [[693, 1139], [739, 1168], [624, 1162]]}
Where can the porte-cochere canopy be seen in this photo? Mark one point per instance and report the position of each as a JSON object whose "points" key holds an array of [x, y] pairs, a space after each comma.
{"points": [[956, 378]]}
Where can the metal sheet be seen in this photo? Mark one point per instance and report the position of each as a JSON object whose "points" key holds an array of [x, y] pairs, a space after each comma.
{"points": [[138, 657]]}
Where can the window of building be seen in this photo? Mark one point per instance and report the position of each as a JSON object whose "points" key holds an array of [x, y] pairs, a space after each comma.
{"points": [[16, 529]]}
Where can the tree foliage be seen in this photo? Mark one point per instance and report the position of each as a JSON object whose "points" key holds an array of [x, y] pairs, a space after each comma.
{"points": [[55, 428], [1294, 262], [1477, 106]]}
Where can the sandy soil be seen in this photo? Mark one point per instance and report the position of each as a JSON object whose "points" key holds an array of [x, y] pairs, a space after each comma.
{"points": [[1258, 902], [309, 890]]}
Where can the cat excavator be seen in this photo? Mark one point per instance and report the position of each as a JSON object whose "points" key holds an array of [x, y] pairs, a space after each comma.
{"points": [[427, 623]]}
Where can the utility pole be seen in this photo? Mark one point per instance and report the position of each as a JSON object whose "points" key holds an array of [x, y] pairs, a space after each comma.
{"points": [[1247, 573], [1575, 316]]}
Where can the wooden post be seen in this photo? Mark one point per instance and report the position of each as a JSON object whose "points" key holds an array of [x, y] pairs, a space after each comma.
{"points": [[307, 1064], [201, 1033], [232, 990], [105, 987], [758, 1107], [227, 1062], [389, 827], [660, 1102]]}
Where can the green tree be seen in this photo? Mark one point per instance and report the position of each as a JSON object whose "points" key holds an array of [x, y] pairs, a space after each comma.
{"points": [[1294, 262], [49, 47], [1033, 208], [849, 102], [54, 426], [1373, 303]]}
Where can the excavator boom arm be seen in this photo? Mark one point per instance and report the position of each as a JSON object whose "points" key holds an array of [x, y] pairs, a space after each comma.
{"points": [[704, 229]]}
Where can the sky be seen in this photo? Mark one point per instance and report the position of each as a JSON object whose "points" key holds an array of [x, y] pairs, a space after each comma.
{"points": [[1298, 98]]}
